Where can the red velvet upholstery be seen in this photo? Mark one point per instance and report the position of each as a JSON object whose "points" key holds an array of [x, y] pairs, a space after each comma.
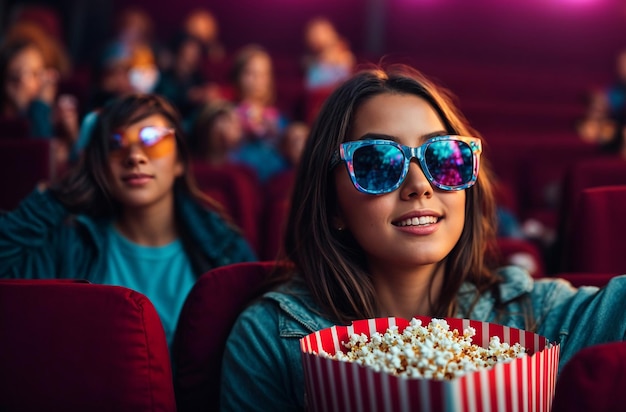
{"points": [[71, 346], [523, 253], [237, 188], [602, 171], [593, 380], [595, 235], [277, 201], [207, 317], [23, 163]]}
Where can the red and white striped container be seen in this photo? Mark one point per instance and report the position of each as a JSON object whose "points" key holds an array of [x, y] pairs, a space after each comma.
{"points": [[525, 384]]}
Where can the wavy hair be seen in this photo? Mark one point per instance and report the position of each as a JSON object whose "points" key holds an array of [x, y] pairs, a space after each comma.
{"points": [[88, 184], [331, 263]]}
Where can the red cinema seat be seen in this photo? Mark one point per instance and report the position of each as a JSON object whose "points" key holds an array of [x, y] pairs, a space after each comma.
{"points": [[522, 253], [594, 236], [593, 380], [277, 202], [72, 346], [237, 188], [206, 319]]}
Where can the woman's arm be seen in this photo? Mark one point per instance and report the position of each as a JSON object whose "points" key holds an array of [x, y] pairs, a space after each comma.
{"points": [[261, 371], [25, 235]]}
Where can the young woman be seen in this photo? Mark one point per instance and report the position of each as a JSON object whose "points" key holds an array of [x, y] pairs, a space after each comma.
{"points": [[129, 214], [393, 215], [262, 123]]}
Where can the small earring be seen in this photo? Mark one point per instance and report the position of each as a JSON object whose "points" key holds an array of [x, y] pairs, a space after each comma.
{"points": [[340, 228]]}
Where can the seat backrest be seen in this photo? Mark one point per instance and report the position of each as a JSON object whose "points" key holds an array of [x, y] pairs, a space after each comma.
{"points": [[595, 234], [23, 163], [238, 190], [75, 346], [593, 380], [522, 253], [210, 311]]}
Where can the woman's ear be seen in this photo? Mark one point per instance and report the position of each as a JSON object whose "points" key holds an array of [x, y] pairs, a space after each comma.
{"points": [[338, 223], [179, 169]]}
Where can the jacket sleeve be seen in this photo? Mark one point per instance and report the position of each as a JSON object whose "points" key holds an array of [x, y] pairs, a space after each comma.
{"points": [[261, 371], [26, 235], [585, 316]]}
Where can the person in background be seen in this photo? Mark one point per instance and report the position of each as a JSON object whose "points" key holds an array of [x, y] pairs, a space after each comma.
{"points": [[30, 93], [393, 214], [262, 122], [202, 24], [128, 214], [184, 83], [330, 60], [292, 142], [217, 134]]}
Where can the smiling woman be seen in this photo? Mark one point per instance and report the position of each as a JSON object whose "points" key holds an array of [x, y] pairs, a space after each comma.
{"points": [[393, 215], [129, 214]]}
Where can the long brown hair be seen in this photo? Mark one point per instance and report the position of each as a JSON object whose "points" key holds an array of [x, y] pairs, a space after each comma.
{"points": [[331, 263], [86, 188]]}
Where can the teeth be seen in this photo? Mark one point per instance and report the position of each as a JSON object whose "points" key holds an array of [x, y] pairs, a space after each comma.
{"points": [[416, 221]]}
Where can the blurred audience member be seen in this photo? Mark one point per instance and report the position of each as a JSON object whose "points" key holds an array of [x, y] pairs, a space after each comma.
{"points": [[184, 84], [330, 60], [216, 134], [29, 91], [598, 126], [201, 24], [262, 122], [292, 142]]}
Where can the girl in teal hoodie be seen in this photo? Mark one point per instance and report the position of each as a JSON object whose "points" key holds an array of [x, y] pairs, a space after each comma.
{"points": [[128, 214]]}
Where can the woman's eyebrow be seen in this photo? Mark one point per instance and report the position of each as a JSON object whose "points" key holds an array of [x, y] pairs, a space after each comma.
{"points": [[374, 136], [434, 134]]}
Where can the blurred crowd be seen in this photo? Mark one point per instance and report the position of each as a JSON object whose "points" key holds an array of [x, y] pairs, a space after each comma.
{"points": [[227, 98]]}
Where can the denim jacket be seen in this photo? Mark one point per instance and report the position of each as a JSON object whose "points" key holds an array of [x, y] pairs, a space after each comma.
{"points": [[262, 368]]}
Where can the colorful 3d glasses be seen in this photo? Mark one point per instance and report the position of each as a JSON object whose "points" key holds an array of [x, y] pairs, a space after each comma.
{"points": [[155, 141], [380, 166]]}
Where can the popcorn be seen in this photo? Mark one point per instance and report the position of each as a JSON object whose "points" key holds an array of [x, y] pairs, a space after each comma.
{"points": [[431, 352]]}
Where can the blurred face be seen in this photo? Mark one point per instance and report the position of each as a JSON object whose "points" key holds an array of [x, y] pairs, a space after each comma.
{"points": [[188, 58], [320, 34], [256, 78], [227, 131], [293, 143], [415, 225], [202, 26], [144, 163], [25, 75]]}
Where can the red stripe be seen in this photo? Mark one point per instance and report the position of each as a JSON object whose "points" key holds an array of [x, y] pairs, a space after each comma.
{"points": [[514, 334], [382, 324], [477, 391], [394, 393], [465, 395]]}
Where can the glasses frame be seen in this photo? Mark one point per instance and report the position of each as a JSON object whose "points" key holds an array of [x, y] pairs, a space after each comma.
{"points": [[347, 149], [121, 137]]}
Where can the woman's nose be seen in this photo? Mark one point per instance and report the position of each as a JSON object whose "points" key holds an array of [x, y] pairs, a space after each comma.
{"points": [[135, 155], [416, 184]]}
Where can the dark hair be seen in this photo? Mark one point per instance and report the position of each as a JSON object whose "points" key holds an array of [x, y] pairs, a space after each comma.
{"points": [[199, 142], [8, 51], [87, 187], [240, 62], [331, 263]]}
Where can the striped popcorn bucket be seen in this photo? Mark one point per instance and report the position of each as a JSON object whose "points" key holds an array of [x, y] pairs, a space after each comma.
{"points": [[525, 384]]}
